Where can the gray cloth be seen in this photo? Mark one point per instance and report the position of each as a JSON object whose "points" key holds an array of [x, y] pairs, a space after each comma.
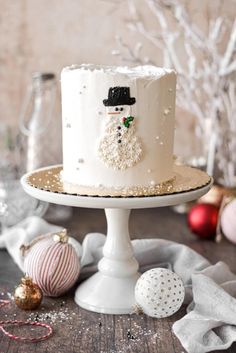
{"points": [[210, 322]]}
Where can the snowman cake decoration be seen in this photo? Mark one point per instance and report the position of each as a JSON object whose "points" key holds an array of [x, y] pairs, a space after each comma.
{"points": [[119, 147]]}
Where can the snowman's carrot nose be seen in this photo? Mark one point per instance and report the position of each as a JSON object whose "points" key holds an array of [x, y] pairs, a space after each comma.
{"points": [[113, 113]]}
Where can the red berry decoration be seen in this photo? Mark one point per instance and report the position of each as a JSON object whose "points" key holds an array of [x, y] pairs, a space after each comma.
{"points": [[202, 220]]}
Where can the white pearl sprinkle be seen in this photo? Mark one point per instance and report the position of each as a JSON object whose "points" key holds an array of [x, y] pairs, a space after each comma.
{"points": [[149, 170], [157, 137], [170, 89], [166, 111], [152, 182], [161, 143]]}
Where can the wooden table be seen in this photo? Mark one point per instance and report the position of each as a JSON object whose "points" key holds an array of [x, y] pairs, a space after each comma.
{"points": [[80, 331]]}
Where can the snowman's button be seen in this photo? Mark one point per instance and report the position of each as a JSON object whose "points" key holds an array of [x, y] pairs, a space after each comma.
{"points": [[119, 141], [119, 134], [118, 127]]}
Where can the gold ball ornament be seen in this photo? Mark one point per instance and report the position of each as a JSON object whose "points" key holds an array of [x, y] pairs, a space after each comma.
{"points": [[28, 295]]}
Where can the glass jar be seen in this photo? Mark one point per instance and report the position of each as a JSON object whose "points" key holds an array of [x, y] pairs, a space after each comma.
{"points": [[40, 130]]}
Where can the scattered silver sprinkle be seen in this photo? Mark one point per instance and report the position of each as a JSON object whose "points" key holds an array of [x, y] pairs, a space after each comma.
{"points": [[80, 160], [52, 316], [68, 125], [8, 294]]}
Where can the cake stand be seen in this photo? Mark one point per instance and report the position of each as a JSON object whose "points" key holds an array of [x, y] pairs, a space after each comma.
{"points": [[111, 289]]}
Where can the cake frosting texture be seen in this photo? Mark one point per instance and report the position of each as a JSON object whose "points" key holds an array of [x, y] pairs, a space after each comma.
{"points": [[118, 125]]}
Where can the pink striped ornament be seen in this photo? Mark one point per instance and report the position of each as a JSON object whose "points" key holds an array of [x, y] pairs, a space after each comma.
{"points": [[53, 264]]}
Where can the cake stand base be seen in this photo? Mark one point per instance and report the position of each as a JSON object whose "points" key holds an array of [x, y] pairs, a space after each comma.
{"points": [[108, 295], [111, 289]]}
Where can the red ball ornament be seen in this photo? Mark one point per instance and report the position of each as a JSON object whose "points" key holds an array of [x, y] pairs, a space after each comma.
{"points": [[202, 220]]}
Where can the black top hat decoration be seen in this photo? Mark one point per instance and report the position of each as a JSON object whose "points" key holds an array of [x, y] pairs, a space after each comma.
{"points": [[119, 96]]}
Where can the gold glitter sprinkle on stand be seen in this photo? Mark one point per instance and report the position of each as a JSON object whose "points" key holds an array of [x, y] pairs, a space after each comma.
{"points": [[185, 179]]}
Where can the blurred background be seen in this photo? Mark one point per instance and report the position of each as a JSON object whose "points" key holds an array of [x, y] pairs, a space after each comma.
{"points": [[39, 38]]}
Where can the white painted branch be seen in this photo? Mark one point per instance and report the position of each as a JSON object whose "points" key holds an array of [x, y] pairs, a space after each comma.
{"points": [[190, 30], [229, 70], [192, 59], [215, 29], [229, 50]]}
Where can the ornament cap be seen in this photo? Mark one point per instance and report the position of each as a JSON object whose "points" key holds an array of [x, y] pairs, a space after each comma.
{"points": [[61, 237], [137, 309], [27, 280]]}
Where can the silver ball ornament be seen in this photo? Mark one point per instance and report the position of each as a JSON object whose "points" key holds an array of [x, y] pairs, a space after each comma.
{"points": [[159, 293]]}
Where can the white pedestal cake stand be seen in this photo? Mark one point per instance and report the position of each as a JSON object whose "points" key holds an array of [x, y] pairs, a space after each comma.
{"points": [[111, 289]]}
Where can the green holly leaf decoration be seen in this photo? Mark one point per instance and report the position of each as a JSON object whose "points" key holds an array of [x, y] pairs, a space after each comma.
{"points": [[128, 120]]}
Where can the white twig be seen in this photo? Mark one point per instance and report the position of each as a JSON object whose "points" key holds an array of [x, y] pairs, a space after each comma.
{"points": [[229, 50]]}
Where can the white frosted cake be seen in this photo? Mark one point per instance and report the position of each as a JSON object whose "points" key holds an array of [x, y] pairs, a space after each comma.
{"points": [[118, 128]]}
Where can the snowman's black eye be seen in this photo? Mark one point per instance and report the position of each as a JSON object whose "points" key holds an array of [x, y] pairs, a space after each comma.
{"points": [[121, 109], [116, 109]]}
